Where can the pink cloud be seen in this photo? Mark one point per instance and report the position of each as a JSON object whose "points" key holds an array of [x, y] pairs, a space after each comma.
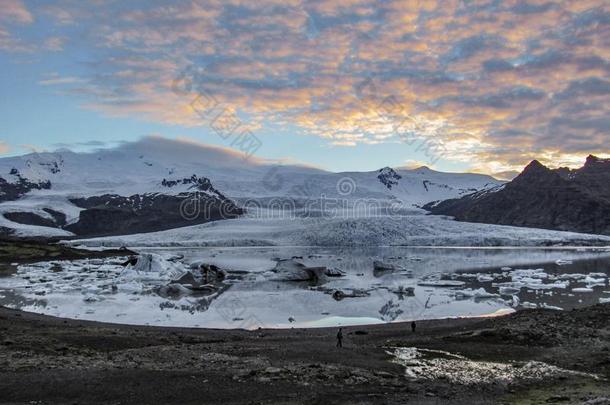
{"points": [[15, 11]]}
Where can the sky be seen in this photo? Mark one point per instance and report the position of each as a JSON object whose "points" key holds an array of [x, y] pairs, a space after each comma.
{"points": [[457, 85]]}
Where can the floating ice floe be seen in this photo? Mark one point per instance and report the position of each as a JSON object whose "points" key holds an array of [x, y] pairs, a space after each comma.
{"points": [[533, 279], [595, 282], [441, 283], [603, 300], [292, 270], [379, 266], [482, 278], [509, 290], [582, 290], [153, 267], [543, 305], [572, 276], [547, 306], [563, 262], [479, 293]]}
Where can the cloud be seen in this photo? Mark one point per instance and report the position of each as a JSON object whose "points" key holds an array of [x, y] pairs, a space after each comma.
{"points": [[54, 43], [491, 84], [4, 148], [15, 11], [56, 80], [32, 148]]}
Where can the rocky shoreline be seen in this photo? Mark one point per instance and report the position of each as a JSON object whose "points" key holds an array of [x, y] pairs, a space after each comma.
{"points": [[533, 356]]}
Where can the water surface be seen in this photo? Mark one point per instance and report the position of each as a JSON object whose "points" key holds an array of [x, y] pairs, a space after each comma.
{"points": [[249, 299]]}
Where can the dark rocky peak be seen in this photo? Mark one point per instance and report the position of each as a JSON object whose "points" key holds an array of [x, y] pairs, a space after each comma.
{"points": [[560, 199], [535, 165], [195, 183], [388, 177], [597, 164], [591, 159], [201, 183], [535, 171]]}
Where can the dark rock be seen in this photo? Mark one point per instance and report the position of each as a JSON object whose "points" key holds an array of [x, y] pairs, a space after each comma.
{"points": [[560, 199], [339, 295], [388, 177], [130, 262], [29, 218], [58, 217], [13, 191], [116, 215]]}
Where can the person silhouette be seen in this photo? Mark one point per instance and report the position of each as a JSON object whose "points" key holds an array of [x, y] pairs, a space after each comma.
{"points": [[340, 338], [413, 326]]}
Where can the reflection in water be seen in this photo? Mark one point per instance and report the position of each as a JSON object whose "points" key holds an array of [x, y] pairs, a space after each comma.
{"points": [[406, 284]]}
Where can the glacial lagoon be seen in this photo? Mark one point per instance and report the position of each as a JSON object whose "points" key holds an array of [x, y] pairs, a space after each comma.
{"points": [[417, 283]]}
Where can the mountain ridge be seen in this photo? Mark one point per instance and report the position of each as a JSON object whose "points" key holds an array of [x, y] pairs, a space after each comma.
{"points": [[560, 199], [158, 166]]}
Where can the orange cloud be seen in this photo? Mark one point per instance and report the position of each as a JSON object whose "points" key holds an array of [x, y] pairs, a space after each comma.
{"points": [[485, 80]]}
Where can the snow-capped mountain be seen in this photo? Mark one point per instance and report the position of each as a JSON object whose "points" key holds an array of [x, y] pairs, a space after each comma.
{"points": [[140, 186]]}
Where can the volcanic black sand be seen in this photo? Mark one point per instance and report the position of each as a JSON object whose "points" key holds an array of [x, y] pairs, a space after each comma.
{"points": [[533, 356], [51, 360]]}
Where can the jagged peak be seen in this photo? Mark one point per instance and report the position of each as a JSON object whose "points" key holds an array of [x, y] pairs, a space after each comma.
{"points": [[388, 177], [533, 170], [592, 160], [535, 164]]}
